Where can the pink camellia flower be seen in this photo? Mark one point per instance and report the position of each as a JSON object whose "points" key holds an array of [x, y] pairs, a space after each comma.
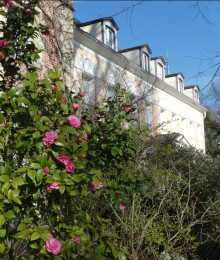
{"points": [[76, 240], [70, 167], [49, 138], [74, 121], [95, 187], [75, 106], [4, 43], [84, 137], [28, 10], [82, 94], [47, 32], [2, 125], [53, 245], [9, 2], [122, 206], [53, 186], [128, 108], [46, 170], [63, 159]]}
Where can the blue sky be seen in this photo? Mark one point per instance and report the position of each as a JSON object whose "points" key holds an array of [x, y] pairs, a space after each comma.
{"points": [[172, 26]]}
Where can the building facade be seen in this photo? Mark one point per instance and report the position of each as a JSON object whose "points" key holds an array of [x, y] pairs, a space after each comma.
{"points": [[162, 101], [92, 62]]}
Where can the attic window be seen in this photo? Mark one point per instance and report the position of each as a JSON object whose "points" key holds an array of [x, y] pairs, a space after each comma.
{"points": [[110, 37], [145, 62], [159, 71], [180, 85], [196, 95]]}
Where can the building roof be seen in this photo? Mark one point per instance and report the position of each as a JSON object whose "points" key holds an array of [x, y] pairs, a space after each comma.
{"points": [[159, 57], [137, 47], [174, 74], [99, 20], [171, 138], [192, 86]]}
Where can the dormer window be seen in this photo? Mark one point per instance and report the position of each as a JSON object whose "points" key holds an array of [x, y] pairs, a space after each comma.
{"points": [[110, 37], [180, 85], [196, 95], [160, 71], [145, 62]]}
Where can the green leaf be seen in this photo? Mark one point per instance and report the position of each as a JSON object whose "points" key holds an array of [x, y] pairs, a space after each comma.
{"points": [[2, 233], [95, 180], [10, 214], [121, 256], [59, 143], [43, 161], [21, 226], [45, 236], [64, 108], [76, 178], [62, 189], [32, 110], [35, 236], [60, 85], [40, 175], [87, 128], [12, 92], [35, 165], [36, 194], [4, 178], [2, 220], [99, 249], [17, 181], [23, 169], [55, 75], [59, 95], [13, 104], [31, 174], [23, 100], [2, 248], [46, 83], [78, 165]]}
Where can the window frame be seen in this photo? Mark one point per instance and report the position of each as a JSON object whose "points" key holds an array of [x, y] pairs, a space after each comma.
{"points": [[107, 38], [145, 65]]}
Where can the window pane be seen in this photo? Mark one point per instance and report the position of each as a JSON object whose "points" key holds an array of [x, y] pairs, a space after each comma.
{"points": [[88, 86], [159, 71]]}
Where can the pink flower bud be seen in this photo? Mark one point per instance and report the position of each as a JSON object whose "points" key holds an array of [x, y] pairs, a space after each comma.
{"points": [[128, 108], [82, 94], [75, 106], [28, 10], [122, 206]]}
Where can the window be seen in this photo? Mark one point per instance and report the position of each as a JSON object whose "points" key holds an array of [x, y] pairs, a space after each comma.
{"points": [[174, 123], [159, 71], [88, 87], [145, 62], [192, 134], [180, 85], [163, 118], [196, 95], [110, 37], [149, 115]]}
